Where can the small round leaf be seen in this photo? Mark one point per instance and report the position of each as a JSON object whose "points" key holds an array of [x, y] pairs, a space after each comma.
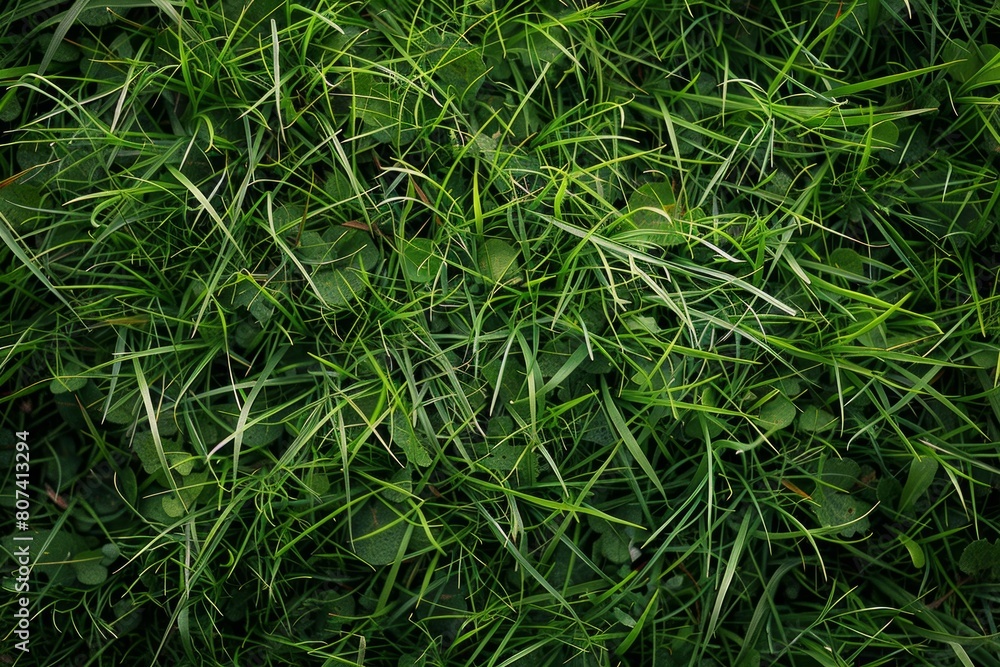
{"points": [[498, 261]]}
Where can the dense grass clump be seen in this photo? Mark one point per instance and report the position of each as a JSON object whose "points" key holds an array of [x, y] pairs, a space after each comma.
{"points": [[541, 333]]}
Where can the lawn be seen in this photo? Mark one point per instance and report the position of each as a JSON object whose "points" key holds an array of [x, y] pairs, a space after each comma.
{"points": [[555, 333]]}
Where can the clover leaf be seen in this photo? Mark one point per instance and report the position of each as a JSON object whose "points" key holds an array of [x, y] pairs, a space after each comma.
{"points": [[379, 531], [981, 558], [842, 510]]}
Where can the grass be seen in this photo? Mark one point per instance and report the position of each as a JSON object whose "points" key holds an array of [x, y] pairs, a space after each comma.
{"points": [[503, 334]]}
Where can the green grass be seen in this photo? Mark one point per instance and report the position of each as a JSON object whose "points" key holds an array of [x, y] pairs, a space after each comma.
{"points": [[545, 334]]}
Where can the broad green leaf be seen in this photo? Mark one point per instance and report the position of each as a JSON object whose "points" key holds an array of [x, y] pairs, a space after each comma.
{"points": [[662, 375], [379, 532], [8, 441], [522, 126], [947, 208], [386, 107], [70, 404], [510, 388], [524, 168], [39, 160], [413, 445], [104, 501], [979, 227], [841, 474], [57, 49], [554, 356], [613, 547], [145, 447], [98, 16], [178, 504], [110, 553], [779, 182], [10, 109], [885, 134], [120, 414], [338, 187], [887, 491], [643, 324], [374, 107], [256, 433], [816, 420], [413, 660], [987, 74], [353, 247], [69, 380], [598, 524], [498, 261], [659, 196], [979, 557], [623, 617], [126, 618], [151, 509], [602, 182], [287, 217], [706, 422], [262, 433], [16, 246], [986, 358], [338, 287], [90, 572], [616, 539], [789, 386], [501, 457], [565, 569], [546, 47], [60, 545], [777, 413], [500, 427], [443, 608], [402, 486], [484, 146], [254, 16], [504, 454], [455, 64], [751, 659], [317, 481], [165, 425], [653, 206], [126, 484], [847, 260], [339, 611], [841, 509], [172, 506], [249, 295], [247, 335], [313, 249], [19, 204], [363, 411], [919, 479], [420, 261]]}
